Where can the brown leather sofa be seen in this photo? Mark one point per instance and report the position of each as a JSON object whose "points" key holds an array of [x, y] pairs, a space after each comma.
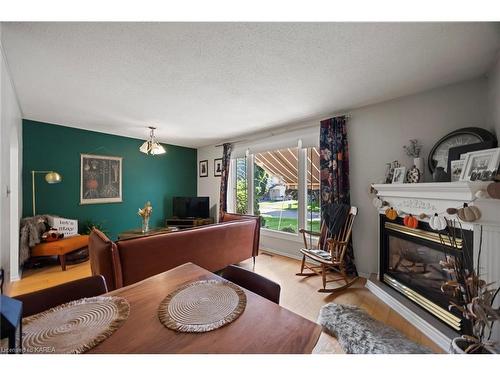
{"points": [[212, 247]]}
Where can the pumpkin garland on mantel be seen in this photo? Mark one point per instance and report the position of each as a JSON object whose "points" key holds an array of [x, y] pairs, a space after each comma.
{"points": [[437, 221], [410, 221], [391, 213]]}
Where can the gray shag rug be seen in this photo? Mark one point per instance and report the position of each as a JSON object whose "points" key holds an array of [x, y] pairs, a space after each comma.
{"points": [[358, 333]]}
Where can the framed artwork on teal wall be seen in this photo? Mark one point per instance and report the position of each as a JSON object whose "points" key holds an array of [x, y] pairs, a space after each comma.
{"points": [[100, 179]]}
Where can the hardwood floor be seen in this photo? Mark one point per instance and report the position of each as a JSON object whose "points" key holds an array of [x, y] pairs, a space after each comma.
{"points": [[298, 294]]}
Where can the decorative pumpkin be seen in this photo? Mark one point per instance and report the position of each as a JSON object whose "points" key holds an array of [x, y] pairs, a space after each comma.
{"points": [[469, 213], [423, 216], [494, 190], [377, 203], [437, 222], [451, 211], [391, 213], [410, 221]]}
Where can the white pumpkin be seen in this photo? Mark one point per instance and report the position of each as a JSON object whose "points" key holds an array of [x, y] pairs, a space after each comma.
{"points": [[437, 222], [377, 203]]}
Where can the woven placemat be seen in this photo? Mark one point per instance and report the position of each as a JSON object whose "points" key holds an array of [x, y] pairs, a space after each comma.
{"points": [[74, 327], [202, 306]]}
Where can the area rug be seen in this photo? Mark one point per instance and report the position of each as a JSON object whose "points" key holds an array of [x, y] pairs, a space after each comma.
{"points": [[358, 333], [74, 327], [202, 306]]}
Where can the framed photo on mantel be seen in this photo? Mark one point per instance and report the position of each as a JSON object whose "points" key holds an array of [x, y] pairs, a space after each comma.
{"points": [[100, 179]]}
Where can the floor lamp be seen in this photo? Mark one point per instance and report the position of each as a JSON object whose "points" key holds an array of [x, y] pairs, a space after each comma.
{"points": [[50, 176]]}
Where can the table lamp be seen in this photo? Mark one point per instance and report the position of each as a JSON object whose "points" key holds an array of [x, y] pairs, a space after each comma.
{"points": [[51, 177]]}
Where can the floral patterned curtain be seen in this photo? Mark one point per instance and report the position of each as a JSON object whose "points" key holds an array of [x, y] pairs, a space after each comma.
{"points": [[226, 161], [334, 167]]}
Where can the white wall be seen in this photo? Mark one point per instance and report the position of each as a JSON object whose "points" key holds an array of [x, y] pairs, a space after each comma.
{"points": [[10, 172], [494, 96], [210, 186], [376, 135]]}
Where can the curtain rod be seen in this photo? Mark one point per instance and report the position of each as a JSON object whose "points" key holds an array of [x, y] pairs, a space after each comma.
{"points": [[282, 131]]}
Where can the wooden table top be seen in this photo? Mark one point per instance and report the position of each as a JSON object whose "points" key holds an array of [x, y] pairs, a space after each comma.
{"points": [[264, 327], [136, 233]]}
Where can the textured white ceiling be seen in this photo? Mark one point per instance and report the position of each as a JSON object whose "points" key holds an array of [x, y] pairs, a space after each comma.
{"points": [[200, 83]]}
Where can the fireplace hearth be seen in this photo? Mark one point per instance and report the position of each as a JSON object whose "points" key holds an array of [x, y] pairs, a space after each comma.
{"points": [[410, 263]]}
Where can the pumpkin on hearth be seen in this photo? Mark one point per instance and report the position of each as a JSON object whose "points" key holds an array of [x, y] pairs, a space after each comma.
{"points": [[437, 222], [410, 221], [391, 213], [469, 213]]}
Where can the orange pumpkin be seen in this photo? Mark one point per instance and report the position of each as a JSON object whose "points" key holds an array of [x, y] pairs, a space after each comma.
{"points": [[391, 213], [410, 221]]}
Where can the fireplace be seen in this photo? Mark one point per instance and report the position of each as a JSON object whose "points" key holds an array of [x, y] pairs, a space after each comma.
{"points": [[409, 263]]}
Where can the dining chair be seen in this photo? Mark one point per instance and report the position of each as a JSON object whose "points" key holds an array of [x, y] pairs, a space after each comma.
{"points": [[44, 299], [329, 253], [253, 282]]}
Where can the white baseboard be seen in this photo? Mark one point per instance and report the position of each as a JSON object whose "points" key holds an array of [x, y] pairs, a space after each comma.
{"points": [[425, 327]]}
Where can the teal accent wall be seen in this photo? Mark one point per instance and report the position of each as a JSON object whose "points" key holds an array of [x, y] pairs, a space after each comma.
{"points": [[145, 177]]}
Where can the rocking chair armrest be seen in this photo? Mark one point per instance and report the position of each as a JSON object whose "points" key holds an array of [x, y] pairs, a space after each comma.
{"points": [[305, 231], [335, 242]]}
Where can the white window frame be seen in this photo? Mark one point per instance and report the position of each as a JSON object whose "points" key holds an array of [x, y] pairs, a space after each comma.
{"points": [[301, 192]]}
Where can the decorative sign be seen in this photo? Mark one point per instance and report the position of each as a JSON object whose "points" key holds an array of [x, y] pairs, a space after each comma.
{"points": [[68, 227], [416, 204], [101, 179]]}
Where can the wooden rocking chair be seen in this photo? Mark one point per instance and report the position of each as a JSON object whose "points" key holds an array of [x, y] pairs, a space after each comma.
{"points": [[331, 259]]}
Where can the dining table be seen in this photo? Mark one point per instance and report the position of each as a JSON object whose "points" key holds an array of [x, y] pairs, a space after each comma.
{"points": [[264, 327]]}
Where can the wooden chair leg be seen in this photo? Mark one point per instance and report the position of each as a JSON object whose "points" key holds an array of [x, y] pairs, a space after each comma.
{"points": [[302, 266], [323, 275], [62, 260]]}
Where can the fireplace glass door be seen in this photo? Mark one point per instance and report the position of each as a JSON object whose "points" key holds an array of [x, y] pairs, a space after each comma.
{"points": [[417, 267]]}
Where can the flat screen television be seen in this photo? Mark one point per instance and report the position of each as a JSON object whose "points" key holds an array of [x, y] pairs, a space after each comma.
{"points": [[191, 207]]}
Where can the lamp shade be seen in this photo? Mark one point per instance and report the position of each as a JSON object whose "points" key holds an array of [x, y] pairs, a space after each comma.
{"points": [[53, 177], [152, 146]]}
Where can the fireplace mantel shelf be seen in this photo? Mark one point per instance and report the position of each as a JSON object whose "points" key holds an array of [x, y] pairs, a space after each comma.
{"points": [[436, 197], [460, 191]]}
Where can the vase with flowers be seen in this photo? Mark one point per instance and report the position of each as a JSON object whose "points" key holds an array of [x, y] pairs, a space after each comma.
{"points": [[413, 151], [470, 295], [145, 214]]}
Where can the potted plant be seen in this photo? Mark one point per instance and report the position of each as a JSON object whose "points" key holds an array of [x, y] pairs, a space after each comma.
{"points": [[472, 297]]}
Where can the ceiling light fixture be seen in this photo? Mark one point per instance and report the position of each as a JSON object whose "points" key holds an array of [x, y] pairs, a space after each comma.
{"points": [[152, 146]]}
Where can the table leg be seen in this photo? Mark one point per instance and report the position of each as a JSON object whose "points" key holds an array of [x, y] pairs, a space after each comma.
{"points": [[62, 260]]}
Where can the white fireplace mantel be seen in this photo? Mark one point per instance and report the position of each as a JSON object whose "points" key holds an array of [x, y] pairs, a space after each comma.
{"points": [[430, 198], [436, 197]]}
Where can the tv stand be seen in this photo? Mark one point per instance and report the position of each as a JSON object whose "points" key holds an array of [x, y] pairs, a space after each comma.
{"points": [[187, 222]]}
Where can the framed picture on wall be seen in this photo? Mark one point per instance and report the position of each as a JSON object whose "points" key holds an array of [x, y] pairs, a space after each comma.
{"points": [[203, 168], [217, 167], [100, 179]]}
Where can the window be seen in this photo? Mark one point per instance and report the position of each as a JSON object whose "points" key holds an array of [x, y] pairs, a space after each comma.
{"points": [[313, 213], [241, 198], [281, 185], [276, 189]]}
